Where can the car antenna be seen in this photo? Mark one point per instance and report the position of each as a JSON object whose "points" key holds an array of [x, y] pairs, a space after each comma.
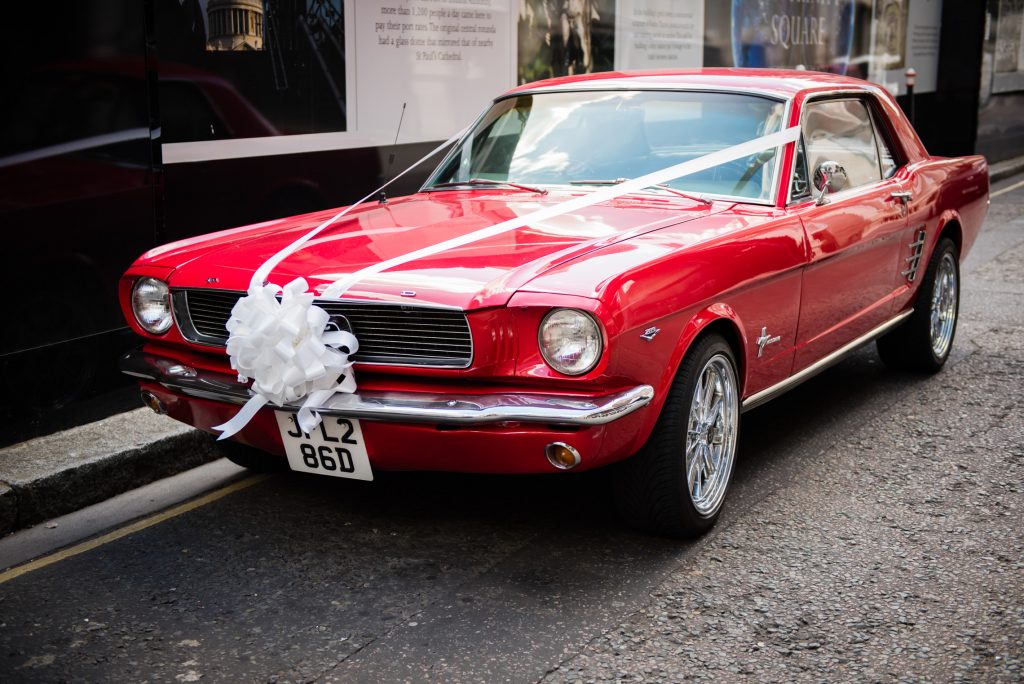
{"points": [[391, 157]]}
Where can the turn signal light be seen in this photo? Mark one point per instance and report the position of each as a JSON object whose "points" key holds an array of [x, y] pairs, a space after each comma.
{"points": [[562, 456], [153, 402]]}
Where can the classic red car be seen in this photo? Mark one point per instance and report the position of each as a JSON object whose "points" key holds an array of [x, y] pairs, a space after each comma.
{"points": [[636, 328]]}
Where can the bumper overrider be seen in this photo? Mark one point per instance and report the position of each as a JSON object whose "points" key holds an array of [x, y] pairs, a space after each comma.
{"points": [[528, 417]]}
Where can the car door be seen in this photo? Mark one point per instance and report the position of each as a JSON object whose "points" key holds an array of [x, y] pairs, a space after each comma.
{"points": [[853, 232]]}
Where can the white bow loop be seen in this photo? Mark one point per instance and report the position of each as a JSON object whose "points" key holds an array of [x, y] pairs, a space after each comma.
{"points": [[285, 347]]}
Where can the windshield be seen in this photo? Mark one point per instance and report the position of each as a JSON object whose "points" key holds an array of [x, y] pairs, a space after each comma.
{"points": [[594, 138]]}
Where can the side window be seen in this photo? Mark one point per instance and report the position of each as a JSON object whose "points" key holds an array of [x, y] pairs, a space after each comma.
{"points": [[841, 131], [885, 153], [801, 185]]}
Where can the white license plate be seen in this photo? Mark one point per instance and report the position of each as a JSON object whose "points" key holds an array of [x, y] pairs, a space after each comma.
{"points": [[335, 447]]}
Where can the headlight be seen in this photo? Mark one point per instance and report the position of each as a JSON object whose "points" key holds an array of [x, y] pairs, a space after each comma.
{"points": [[151, 303], [570, 341]]}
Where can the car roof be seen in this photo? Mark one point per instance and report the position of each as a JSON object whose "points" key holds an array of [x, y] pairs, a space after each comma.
{"points": [[783, 83]]}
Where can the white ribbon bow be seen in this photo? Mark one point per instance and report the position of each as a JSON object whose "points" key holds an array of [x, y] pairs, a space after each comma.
{"points": [[285, 347]]}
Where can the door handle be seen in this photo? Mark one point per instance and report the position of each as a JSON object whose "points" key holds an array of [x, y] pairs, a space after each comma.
{"points": [[904, 197]]}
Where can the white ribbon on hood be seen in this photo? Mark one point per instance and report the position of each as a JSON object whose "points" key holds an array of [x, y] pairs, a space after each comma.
{"points": [[342, 285]]}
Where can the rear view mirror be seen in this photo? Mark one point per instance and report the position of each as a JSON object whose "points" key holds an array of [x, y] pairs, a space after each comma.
{"points": [[829, 177]]}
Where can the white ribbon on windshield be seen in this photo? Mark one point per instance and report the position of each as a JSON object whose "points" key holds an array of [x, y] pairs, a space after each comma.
{"points": [[252, 339]]}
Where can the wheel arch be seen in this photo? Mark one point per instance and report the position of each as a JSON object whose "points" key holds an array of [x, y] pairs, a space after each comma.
{"points": [[950, 226], [721, 319]]}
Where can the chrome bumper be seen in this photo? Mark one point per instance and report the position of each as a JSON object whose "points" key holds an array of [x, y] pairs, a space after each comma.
{"points": [[405, 407]]}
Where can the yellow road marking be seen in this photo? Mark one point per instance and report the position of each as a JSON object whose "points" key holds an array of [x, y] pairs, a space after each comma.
{"points": [[1016, 185], [136, 526]]}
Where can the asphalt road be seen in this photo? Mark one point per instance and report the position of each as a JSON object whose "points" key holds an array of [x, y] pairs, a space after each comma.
{"points": [[873, 532]]}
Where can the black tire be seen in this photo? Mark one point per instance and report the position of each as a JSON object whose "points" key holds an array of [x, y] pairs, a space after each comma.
{"points": [[652, 491], [910, 346], [249, 457]]}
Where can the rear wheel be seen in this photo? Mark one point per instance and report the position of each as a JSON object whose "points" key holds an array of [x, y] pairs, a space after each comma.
{"points": [[676, 484], [922, 343], [251, 458]]}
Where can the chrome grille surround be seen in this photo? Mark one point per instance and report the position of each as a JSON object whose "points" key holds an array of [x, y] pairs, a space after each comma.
{"points": [[389, 334]]}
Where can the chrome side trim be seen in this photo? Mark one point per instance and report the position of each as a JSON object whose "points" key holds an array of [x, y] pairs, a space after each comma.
{"points": [[792, 381], [405, 407]]}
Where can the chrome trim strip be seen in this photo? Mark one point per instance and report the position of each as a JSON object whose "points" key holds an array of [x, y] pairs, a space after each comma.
{"points": [[342, 300], [612, 86], [405, 407], [818, 366]]}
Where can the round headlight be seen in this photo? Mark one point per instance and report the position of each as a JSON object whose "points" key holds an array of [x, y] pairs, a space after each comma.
{"points": [[570, 341], [151, 303]]}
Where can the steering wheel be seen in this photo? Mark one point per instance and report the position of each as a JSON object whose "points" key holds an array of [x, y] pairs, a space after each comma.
{"points": [[751, 168]]}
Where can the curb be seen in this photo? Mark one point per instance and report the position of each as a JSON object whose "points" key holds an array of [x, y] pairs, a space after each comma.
{"points": [[1005, 169], [49, 476]]}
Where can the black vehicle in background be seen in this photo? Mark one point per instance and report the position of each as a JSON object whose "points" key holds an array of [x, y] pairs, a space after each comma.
{"points": [[92, 91]]}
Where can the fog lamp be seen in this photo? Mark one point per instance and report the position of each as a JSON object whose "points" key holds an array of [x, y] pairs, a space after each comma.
{"points": [[562, 456], [153, 402]]}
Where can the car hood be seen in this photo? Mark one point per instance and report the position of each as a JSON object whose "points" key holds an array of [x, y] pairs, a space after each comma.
{"points": [[479, 274]]}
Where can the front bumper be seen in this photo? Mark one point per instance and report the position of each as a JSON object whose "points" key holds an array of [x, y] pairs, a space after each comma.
{"points": [[405, 407]]}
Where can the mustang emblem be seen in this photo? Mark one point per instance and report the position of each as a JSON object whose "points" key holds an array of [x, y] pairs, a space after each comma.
{"points": [[764, 340], [650, 333]]}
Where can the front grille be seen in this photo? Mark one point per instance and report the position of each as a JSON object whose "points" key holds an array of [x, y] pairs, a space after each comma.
{"points": [[393, 334]]}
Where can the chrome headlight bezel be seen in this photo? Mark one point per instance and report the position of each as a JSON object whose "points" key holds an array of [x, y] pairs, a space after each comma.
{"points": [[152, 293], [590, 337]]}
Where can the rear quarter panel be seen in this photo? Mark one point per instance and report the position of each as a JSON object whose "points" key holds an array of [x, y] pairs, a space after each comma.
{"points": [[950, 197]]}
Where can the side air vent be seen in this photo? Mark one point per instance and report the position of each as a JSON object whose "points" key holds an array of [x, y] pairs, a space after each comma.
{"points": [[914, 260]]}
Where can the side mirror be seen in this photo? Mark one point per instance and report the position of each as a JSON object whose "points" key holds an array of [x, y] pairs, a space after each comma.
{"points": [[829, 177]]}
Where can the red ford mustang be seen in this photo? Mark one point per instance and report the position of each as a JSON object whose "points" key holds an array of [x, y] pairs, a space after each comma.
{"points": [[613, 320]]}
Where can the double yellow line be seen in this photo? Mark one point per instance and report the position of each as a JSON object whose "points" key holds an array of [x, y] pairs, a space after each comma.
{"points": [[134, 527], [1005, 190]]}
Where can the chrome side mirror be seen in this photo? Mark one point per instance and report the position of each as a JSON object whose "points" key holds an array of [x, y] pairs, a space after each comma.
{"points": [[829, 177]]}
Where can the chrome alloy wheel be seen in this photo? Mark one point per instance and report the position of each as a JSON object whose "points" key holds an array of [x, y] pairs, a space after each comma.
{"points": [[711, 434], [944, 306]]}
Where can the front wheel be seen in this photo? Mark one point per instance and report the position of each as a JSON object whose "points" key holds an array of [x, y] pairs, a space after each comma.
{"points": [[676, 484], [922, 343]]}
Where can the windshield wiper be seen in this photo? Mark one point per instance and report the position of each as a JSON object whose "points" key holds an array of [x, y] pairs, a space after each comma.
{"points": [[660, 186], [488, 181], [687, 195]]}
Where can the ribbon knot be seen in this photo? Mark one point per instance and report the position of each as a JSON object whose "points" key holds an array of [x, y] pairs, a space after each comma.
{"points": [[285, 348]]}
